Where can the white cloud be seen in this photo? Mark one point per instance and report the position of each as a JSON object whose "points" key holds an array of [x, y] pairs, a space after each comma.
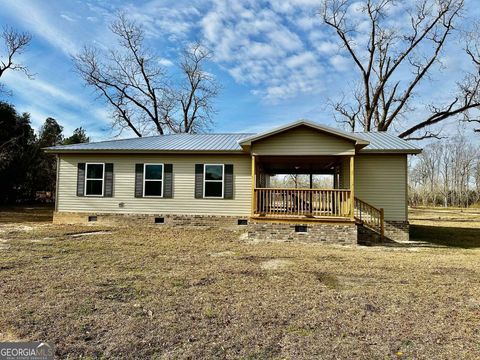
{"points": [[308, 22], [285, 39], [340, 63], [263, 50], [158, 18], [42, 99], [300, 60], [165, 62], [328, 47], [41, 24], [67, 17], [290, 6]]}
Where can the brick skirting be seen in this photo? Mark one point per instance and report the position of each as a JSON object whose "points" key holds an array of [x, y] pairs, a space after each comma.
{"points": [[331, 233], [147, 219], [322, 232], [394, 231], [397, 230]]}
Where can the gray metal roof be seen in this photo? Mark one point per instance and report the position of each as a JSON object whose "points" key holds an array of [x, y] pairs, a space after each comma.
{"points": [[379, 142], [386, 142], [171, 142]]}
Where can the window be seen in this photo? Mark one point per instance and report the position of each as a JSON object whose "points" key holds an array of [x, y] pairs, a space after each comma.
{"points": [[213, 180], [153, 180], [94, 179]]}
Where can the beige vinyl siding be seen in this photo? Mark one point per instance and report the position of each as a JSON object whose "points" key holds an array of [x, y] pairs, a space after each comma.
{"points": [[381, 180], [344, 174], [303, 141], [183, 201]]}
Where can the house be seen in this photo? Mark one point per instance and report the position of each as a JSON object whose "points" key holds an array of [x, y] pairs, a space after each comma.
{"points": [[224, 180]]}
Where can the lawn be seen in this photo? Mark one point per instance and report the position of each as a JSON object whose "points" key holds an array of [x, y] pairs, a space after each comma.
{"points": [[167, 293]]}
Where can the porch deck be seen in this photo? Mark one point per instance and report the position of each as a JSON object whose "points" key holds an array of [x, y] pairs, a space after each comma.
{"points": [[315, 205], [337, 204]]}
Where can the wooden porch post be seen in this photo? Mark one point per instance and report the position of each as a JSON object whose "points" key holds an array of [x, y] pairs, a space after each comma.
{"points": [[253, 186], [352, 187], [310, 200]]}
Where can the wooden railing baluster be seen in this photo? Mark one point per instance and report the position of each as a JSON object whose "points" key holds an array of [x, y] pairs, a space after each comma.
{"points": [[302, 202]]}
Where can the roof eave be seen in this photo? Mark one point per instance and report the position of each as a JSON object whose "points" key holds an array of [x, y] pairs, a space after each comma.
{"points": [[390, 151], [139, 151]]}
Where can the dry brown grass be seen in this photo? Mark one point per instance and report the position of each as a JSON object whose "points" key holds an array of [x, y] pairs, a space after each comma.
{"points": [[168, 293]]}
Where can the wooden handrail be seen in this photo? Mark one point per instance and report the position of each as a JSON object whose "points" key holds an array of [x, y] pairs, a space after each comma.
{"points": [[370, 215], [302, 202], [302, 189]]}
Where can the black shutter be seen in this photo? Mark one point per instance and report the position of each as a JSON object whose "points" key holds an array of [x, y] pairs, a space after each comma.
{"points": [[198, 181], [168, 181], [81, 179], [138, 180], [228, 182], [108, 186]]}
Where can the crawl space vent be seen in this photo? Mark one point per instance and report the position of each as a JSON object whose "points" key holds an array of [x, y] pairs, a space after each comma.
{"points": [[301, 228]]}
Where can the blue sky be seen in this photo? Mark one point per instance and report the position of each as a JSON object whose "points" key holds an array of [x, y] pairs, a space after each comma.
{"points": [[274, 60]]}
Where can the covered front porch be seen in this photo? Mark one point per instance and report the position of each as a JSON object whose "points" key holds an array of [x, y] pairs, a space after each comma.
{"points": [[307, 200]]}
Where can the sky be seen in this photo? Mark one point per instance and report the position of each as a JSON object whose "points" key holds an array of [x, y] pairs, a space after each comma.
{"points": [[274, 60]]}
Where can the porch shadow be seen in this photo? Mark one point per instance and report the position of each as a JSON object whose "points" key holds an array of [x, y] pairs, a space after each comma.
{"points": [[457, 237], [424, 236]]}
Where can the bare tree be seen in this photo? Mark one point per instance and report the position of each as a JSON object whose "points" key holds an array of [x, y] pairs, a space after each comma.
{"points": [[143, 99], [199, 90], [15, 43], [383, 53]]}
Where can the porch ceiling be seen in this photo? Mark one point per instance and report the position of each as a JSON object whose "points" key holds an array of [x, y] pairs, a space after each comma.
{"points": [[298, 164]]}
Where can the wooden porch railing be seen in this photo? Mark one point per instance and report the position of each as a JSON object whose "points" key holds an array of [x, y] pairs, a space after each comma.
{"points": [[302, 202], [370, 215]]}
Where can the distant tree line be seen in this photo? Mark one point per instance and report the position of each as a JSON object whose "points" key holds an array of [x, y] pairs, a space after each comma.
{"points": [[25, 168], [446, 173], [301, 181]]}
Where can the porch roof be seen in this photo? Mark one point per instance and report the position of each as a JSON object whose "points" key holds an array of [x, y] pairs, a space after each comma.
{"points": [[326, 129]]}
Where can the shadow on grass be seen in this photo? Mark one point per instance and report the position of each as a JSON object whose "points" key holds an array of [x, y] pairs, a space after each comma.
{"points": [[466, 238], [26, 213]]}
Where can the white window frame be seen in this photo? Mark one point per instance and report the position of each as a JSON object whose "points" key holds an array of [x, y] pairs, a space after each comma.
{"points": [[94, 179], [144, 180], [205, 180]]}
